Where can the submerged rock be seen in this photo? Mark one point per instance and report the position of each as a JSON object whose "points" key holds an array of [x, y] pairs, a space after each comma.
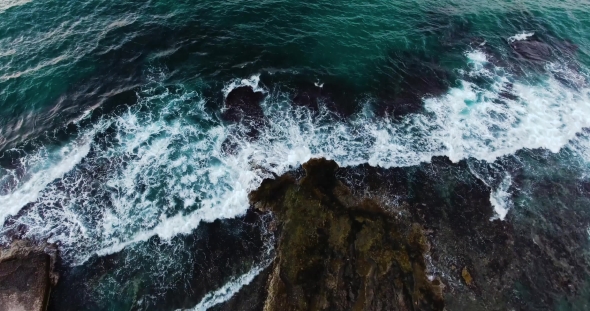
{"points": [[339, 95], [406, 78], [171, 275], [532, 50], [26, 276], [339, 252]]}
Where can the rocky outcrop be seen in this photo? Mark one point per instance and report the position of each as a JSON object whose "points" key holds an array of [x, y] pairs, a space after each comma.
{"points": [[420, 238], [242, 106], [338, 252], [26, 276], [535, 259], [243, 103]]}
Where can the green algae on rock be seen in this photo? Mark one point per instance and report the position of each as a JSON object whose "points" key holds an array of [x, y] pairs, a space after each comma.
{"points": [[338, 252]]}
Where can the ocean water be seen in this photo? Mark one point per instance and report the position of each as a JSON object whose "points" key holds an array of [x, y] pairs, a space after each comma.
{"points": [[112, 139]]}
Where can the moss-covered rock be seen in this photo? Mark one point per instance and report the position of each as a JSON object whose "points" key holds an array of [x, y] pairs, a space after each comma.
{"points": [[339, 252]]}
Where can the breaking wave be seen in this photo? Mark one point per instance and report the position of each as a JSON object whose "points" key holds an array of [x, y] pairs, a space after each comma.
{"points": [[521, 36], [159, 168], [7, 4]]}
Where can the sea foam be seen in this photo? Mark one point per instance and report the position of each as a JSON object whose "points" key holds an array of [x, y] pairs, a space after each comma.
{"points": [[521, 36], [7, 4], [226, 291], [35, 171], [164, 170], [500, 199]]}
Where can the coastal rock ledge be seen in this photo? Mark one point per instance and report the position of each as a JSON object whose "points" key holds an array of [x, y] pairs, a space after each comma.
{"points": [[26, 276], [339, 252]]}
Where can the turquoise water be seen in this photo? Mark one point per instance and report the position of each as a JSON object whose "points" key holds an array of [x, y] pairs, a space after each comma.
{"points": [[112, 135]]}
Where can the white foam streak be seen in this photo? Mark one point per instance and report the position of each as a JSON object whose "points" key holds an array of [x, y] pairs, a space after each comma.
{"points": [[36, 180], [521, 36], [467, 122], [252, 82], [477, 56], [227, 291], [501, 199], [7, 4], [169, 227], [162, 174]]}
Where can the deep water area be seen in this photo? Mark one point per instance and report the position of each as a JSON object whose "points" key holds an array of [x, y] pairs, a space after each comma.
{"points": [[132, 133]]}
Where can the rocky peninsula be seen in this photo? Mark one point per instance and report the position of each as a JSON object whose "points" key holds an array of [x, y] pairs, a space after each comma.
{"points": [[365, 238]]}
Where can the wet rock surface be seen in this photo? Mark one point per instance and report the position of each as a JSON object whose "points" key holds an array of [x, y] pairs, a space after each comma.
{"points": [[26, 276], [242, 106], [424, 237], [340, 252], [532, 260], [243, 103]]}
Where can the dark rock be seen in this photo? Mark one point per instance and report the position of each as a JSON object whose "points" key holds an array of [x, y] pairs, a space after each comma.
{"points": [[568, 47], [26, 276], [492, 264], [508, 92], [339, 95], [243, 103], [532, 50], [308, 95], [406, 78], [341, 252]]}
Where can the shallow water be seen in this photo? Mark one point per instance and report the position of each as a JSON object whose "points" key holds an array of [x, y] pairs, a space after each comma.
{"points": [[112, 138]]}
